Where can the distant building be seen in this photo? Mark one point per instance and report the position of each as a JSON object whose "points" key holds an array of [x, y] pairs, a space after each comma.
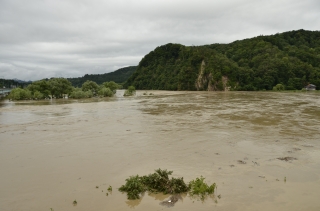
{"points": [[310, 87]]}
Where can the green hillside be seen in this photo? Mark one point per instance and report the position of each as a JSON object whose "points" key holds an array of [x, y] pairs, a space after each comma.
{"points": [[291, 59], [12, 83], [118, 76]]}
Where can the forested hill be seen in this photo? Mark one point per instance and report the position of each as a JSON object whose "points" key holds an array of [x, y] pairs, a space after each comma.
{"points": [[118, 76], [260, 63]]}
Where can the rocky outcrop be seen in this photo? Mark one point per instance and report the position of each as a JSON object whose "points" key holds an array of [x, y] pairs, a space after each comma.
{"points": [[202, 79], [206, 82]]}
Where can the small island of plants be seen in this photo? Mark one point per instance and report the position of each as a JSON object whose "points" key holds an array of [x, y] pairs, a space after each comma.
{"points": [[160, 182]]}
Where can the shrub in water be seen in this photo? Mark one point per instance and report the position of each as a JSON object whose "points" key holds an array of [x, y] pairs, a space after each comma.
{"points": [[105, 92], [130, 91], [159, 182], [200, 188], [134, 187]]}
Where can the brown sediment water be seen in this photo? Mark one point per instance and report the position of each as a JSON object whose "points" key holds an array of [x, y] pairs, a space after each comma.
{"points": [[55, 152]]}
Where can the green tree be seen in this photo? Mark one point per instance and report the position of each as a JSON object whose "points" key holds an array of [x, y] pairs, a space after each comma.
{"points": [[130, 91], [111, 85], [59, 87], [41, 86], [38, 95], [278, 87], [105, 92], [20, 94], [77, 93], [90, 86]]}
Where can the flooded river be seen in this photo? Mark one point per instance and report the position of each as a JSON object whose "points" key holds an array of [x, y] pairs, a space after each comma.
{"points": [[55, 152]]}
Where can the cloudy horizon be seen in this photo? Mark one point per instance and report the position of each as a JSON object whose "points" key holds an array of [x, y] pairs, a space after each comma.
{"points": [[71, 38]]}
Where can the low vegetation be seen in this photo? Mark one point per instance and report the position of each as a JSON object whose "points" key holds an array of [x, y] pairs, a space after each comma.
{"points": [[160, 182]]}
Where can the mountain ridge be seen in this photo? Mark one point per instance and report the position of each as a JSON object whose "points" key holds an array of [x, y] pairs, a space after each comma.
{"points": [[118, 76], [290, 58]]}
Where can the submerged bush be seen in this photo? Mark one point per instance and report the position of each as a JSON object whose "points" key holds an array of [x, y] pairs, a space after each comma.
{"points": [[105, 92], [38, 95], [130, 91], [134, 187], [199, 187], [77, 93], [20, 94], [112, 86], [278, 87], [159, 182]]}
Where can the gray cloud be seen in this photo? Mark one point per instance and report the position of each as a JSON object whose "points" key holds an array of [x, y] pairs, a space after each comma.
{"points": [[70, 38]]}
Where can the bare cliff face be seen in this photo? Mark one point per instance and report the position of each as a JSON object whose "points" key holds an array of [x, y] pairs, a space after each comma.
{"points": [[203, 79], [206, 82]]}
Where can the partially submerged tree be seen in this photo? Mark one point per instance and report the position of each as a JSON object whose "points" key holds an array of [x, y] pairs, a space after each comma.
{"points": [[90, 86], [77, 93], [130, 91], [113, 86], [20, 94], [59, 86], [105, 92], [278, 87], [42, 86]]}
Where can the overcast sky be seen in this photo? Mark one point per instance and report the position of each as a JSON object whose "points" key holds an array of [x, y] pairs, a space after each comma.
{"points": [[70, 38]]}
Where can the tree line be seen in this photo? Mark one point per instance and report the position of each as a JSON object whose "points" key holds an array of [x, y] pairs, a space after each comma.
{"points": [[290, 60], [61, 87]]}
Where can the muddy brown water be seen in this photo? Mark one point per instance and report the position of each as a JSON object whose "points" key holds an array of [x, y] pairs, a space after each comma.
{"points": [[55, 152]]}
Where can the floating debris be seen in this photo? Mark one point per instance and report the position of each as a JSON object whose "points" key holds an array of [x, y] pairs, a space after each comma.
{"points": [[255, 163], [307, 145], [172, 200], [110, 188], [296, 149], [231, 166], [287, 158], [241, 162], [74, 202], [262, 176]]}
